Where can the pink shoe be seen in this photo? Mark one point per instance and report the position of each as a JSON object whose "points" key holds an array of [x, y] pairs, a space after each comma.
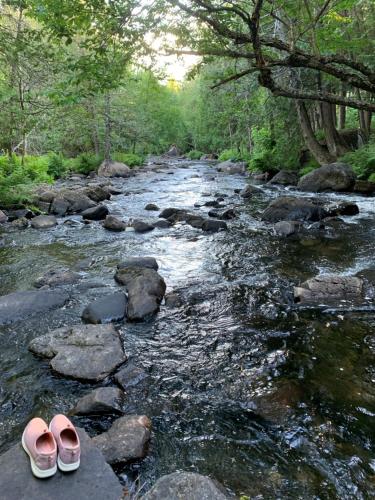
{"points": [[40, 445], [67, 443]]}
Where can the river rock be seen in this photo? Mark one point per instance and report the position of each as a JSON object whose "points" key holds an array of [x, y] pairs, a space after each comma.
{"points": [[59, 206], [341, 208], [173, 299], [142, 227], [194, 220], [208, 157], [231, 167], [21, 223], [162, 224], [56, 277], [285, 178], [151, 207], [101, 401], [185, 486], [83, 352], [3, 217], [167, 213], [77, 200], [20, 305], [43, 222], [173, 151], [212, 203], [112, 223], [131, 376], [127, 440], [248, 191], [287, 227], [134, 262], [114, 169], [364, 187], [226, 215], [94, 480], [329, 288], [332, 177], [146, 289], [97, 193], [106, 310], [213, 226], [22, 213], [99, 212], [291, 208]]}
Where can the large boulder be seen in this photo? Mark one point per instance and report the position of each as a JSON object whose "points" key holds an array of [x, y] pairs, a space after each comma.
{"points": [[146, 289], [101, 401], [294, 209], [97, 193], [99, 212], [94, 480], [106, 310], [3, 217], [285, 178], [43, 222], [231, 167], [84, 352], [77, 200], [21, 305], [185, 486], [114, 169], [328, 289], [249, 190], [127, 440], [332, 177]]}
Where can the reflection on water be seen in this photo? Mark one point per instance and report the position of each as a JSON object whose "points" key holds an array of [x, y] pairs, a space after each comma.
{"points": [[270, 400]]}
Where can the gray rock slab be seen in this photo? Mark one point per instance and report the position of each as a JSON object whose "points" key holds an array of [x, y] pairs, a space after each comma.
{"points": [[94, 480], [20, 305], [83, 352]]}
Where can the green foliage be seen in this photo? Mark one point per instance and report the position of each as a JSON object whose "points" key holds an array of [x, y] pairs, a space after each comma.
{"points": [[234, 155], [18, 179], [56, 165], [194, 154], [362, 160], [372, 178], [306, 170], [86, 163], [130, 159]]}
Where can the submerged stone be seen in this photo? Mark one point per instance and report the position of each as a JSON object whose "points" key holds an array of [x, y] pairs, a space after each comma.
{"points": [[101, 401], [106, 310]]}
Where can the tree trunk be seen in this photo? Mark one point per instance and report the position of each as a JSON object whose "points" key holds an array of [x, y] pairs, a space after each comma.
{"points": [[108, 128], [335, 144], [319, 152], [342, 110]]}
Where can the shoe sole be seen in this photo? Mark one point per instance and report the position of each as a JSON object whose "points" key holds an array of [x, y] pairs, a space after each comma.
{"points": [[39, 473], [67, 467]]}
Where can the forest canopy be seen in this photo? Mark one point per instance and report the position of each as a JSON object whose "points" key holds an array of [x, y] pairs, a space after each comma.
{"points": [[278, 84]]}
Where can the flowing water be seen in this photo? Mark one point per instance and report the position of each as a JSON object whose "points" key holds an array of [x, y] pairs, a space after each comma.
{"points": [[271, 399]]}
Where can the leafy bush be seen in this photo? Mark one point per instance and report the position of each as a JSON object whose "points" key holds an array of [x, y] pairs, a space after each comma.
{"points": [[372, 178], [17, 180], [130, 159], [231, 154], [56, 165], [362, 160], [195, 155]]}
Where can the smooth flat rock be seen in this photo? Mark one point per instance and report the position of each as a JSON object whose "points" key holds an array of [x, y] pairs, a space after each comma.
{"points": [[101, 401], [131, 262], [56, 277], [43, 222], [127, 440], [185, 486], [146, 289], [94, 480], [83, 352], [20, 305], [329, 289], [107, 309]]}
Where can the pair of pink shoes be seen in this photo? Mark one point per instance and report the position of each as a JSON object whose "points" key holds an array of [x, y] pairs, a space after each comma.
{"points": [[51, 446]]}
